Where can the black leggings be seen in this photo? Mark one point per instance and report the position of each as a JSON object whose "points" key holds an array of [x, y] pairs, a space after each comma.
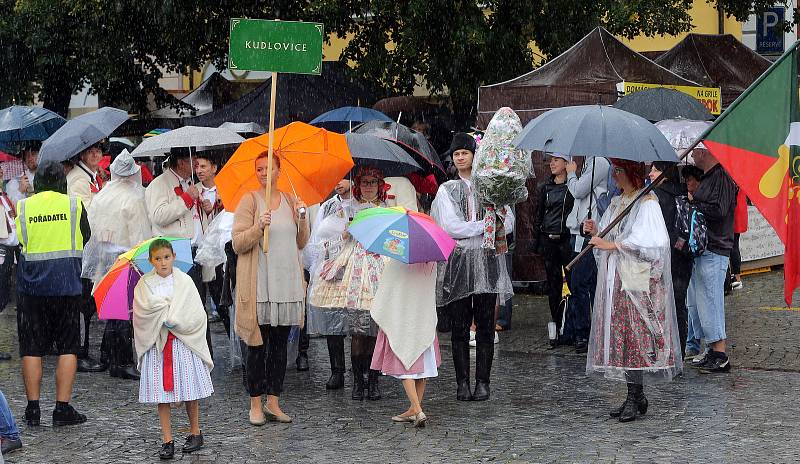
{"points": [[266, 363], [479, 307], [557, 254]]}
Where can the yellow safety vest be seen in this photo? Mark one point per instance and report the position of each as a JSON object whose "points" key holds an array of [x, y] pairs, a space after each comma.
{"points": [[49, 226]]}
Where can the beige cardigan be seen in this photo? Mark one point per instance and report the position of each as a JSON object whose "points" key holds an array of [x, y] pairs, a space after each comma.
{"points": [[78, 186], [246, 236]]}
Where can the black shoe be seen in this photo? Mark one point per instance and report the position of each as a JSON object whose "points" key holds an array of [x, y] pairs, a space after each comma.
{"points": [[374, 386], [193, 443], [698, 363], [336, 382], [167, 450], [302, 362], [33, 416], [67, 416], [581, 346], [127, 372], [552, 345], [716, 363], [463, 393], [5, 357], [90, 365], [481, 391], [8, 445]]}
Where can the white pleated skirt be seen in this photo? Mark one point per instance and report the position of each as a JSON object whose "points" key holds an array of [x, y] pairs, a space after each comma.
{"points": [[192, 380]]}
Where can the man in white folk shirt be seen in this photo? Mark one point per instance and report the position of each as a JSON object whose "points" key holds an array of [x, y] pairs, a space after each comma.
{"points": [[209, 206], [172, 203]]}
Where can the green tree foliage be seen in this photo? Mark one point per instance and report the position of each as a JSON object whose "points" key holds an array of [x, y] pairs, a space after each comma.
{"points": [[120, 47], [454, 46], [52, 48]]}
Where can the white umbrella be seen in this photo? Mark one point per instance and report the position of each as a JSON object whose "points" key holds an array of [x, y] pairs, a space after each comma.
{"points": [[681, 134], [192, 137]]}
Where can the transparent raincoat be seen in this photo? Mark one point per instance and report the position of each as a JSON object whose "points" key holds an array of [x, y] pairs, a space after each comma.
{"points": [[634, 336], [118, 220], [344, 278], [471, 269]]}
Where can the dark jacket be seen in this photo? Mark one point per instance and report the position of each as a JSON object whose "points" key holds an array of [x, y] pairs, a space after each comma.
{"points": [[667, 192], [716, 199], [555, 203]]}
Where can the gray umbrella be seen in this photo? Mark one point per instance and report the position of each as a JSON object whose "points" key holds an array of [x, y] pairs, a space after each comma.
{"points": [[369, 150], [243, 127], [81, 133], [199, 138], [595, 130], [660, 103]]}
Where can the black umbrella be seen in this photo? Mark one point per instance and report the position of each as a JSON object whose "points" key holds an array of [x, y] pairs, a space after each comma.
{"points": [[414, 143], [368, 150], [662, 103]]}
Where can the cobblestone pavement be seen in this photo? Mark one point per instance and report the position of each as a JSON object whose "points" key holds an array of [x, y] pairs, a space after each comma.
{"points": [[543, 408]]}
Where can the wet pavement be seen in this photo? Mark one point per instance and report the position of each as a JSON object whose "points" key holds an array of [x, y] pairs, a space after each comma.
{"points": [[543, 408]]}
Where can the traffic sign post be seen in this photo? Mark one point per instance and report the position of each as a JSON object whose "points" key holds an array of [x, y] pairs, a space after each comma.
{"points": [[277, 46]]}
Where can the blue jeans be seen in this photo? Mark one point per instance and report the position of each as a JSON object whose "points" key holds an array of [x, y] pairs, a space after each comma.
{"points": [[705, 300], [582, 285], [8, 427]]}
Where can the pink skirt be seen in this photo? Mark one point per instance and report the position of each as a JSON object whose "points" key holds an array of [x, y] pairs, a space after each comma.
{"points": [[387, 362]]}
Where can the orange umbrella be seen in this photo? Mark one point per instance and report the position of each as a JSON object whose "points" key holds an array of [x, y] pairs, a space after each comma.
{"points": [[313, 161]]}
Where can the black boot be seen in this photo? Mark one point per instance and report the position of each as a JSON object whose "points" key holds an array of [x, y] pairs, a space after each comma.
{"points": [[635, 403], [461, 364], [336, 355], [359, 380], [484, 353], [374, 386]]}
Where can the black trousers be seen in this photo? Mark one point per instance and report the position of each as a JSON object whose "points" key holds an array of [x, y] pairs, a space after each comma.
{"points": [[7, 256], [480, 308], [557, 254], [88, 310], [266, 363], [117, 344], [196, 273], [736, 256]]}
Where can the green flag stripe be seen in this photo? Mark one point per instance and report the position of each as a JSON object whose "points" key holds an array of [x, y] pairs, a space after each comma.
{"points": [[758, 121]]}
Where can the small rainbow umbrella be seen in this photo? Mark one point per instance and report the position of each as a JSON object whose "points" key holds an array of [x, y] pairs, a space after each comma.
{"points": [[404, 235], [113, 294]]}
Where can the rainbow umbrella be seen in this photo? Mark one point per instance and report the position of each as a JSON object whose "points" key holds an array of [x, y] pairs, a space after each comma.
{"points": [[406, 236], [113, 294]]}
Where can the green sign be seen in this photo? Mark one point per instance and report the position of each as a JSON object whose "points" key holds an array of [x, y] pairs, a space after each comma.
{"points": [[278, 46]]}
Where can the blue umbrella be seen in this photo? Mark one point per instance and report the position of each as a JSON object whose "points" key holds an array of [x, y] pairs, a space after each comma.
{"points": [[81, 133], [341, 119], [26, 123], [595, 130]]}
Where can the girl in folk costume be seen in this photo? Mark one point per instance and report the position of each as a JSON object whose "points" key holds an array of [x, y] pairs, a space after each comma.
{"points": [[170, 336], [407, 347], [634, 336], [344, 284]]}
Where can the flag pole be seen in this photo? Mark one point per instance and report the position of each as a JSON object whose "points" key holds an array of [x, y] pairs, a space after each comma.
{"points": [[273, 95]]}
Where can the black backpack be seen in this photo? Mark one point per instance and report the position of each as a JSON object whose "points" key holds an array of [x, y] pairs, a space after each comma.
{"points": [[691, 226]]}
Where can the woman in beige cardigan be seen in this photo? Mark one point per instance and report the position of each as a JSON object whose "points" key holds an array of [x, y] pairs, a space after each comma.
{"points": [[270, 293]]}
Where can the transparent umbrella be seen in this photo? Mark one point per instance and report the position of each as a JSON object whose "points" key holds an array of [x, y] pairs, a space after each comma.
{"points": [[681, 134]]}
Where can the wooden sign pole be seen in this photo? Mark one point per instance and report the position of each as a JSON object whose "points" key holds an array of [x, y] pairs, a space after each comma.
{"points": [[273, 94]]}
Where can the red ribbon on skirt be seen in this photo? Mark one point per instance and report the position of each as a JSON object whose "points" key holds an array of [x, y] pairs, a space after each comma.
{"points": [[168, 374]]}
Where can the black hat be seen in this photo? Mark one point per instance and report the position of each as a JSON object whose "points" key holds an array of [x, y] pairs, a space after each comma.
{"points": [[462, 141]]}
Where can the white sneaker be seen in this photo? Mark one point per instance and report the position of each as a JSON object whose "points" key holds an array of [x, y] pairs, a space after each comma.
{"points": [[472, 341], [496, 338], [736, 285]]}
